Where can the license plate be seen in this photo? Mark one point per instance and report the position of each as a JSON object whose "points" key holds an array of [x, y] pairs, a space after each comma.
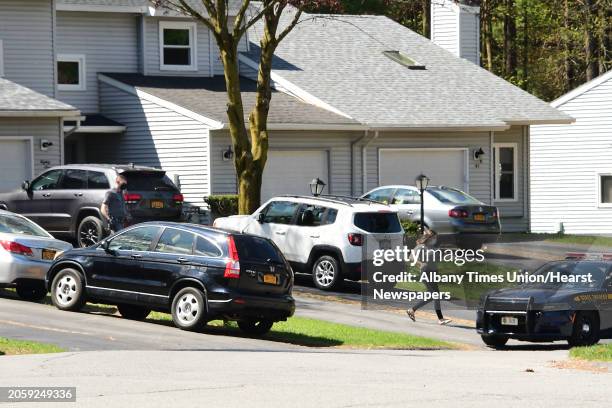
{"points": [[157, 204], [384, 244], [509, 321], [479, 217], [270, 279], [48, 254]]}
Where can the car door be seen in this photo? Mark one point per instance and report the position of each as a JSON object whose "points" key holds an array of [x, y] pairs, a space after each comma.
{"points": [[170, 258], [67, 198], [116, 270], [307, 231], [407, 202], [35, 203], [274, 224]]}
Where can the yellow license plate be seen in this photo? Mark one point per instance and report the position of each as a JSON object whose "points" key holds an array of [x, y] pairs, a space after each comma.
{"points": [[48, 254], [157, 204], [271, 279], [479, 217]]}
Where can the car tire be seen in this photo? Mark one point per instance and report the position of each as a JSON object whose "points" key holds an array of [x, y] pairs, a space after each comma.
{"points": [[189, 309], [326, 274], [32, 291], [496, 342], [133, 312], [254, 327], [90, 231], [586, 330], [68, 291]]}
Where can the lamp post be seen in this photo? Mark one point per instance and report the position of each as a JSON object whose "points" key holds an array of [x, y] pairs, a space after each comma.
{"points": [[421, 183], [316, 186]]}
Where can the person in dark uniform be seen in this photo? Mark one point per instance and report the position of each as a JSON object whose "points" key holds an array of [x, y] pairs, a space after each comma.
{"points": [[113, 207]]}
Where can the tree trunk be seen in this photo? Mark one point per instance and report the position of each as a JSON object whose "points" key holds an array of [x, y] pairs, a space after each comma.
{"points": [[510, 39], [426, 18], [487, 33], [567, 48], [590, 39], [525, 61]]}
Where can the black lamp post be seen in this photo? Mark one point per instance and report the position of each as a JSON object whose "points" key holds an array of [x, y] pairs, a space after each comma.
{"points": [[316, 186], [421, 183]]}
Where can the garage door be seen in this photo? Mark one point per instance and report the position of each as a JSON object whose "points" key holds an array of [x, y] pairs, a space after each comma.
{"points": [[443, 167], [15, 164], [291, 171]]}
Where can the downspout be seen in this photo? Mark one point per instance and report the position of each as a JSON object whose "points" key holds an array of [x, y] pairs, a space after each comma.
{"points": [[492, 166], [364, 163], [353, 144]]}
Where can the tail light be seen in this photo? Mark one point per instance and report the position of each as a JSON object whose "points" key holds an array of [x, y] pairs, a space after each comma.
{"points": [[458, 213], [131, 198], [232, 267], [16, 248], [178, 198], [355, 239]]}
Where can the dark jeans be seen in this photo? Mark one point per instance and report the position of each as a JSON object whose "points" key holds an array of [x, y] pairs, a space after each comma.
{"points": [[431, 287], [116, 225]]}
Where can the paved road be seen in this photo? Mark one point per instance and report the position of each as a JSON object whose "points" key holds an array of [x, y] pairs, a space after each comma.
{"points": [[340, 378]]}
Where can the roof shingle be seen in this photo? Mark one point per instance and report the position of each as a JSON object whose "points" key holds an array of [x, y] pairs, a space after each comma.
{"points": [[16, 98]]}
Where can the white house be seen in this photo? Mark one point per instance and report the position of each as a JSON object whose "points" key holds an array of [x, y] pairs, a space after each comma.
{"points": [[571, 165]]}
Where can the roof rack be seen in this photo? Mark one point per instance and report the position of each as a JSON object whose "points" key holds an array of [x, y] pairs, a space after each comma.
{"points": [[338, 199], [361, 199]]}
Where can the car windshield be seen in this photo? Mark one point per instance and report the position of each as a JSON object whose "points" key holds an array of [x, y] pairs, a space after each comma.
{"points": [[11, 224], [452, 196], [576, 269], [149, 181], [378, 222]]}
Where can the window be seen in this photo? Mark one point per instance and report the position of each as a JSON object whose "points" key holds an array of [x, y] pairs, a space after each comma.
{"points": [[280, 212], [177, 46], [74, 180], [403, 59], [97, 181], [311, 215], [175, 241], [47, 181], [382, 195], [257, 249], [137, 239], [605, 189], [71, 72], [378, 222], [14, 224], [406, 196], [1, 59], [152, 180], [505, 159], [206, 248], [452, 196]]}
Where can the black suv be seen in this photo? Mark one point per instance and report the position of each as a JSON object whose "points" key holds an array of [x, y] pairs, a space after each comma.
{"points": [[198, 273], [66, 200]]}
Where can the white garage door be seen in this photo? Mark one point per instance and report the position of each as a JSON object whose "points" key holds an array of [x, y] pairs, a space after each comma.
{"points": [[443, 167], [15, 164], [291, 171]]}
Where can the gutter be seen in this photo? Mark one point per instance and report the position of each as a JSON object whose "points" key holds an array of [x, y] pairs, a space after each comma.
{"points": [[40, 114]]}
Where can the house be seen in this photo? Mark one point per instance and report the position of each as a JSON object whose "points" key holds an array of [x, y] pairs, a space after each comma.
{"points": [[359, 101], [571, 176]]}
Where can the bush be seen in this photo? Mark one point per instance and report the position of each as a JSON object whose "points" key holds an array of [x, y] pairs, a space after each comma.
{"points": [[222, 205], [411, 229]]}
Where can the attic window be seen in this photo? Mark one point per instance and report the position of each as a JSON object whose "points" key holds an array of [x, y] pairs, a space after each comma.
{"points": [[403, 59]]}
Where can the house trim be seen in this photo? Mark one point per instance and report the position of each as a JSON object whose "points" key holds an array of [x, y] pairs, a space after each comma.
{"points": [[581, 90], [102, 8], [97, 129], [515, 171], [29, 139], [80, 59], [600, 204], [193, 45], [39, 114], [1, 58], [465, 150], [213, 124]]}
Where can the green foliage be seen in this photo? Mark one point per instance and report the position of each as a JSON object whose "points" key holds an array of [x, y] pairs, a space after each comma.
{"points": [[223, 205], [411, 229]]}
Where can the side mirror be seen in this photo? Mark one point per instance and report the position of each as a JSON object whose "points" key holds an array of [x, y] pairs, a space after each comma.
{"points": [[105, 245], [261, 218], [25, 186]]}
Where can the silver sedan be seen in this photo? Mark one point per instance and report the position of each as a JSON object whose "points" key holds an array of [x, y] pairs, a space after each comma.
{"points": [[456, 216], [26, 253]]}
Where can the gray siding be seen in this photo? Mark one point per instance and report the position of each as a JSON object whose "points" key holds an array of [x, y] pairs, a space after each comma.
{"points": [[156, 136], [109, 42], [25, 29], [469, 37], [38, 129]]}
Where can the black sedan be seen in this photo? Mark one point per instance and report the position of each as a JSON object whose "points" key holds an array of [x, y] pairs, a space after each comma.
{"points": [[197, 273], [575, 305]]}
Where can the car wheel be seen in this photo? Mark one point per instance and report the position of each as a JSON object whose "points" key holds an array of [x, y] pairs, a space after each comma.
{"points": [[496, 342], [67, 290], [326, 273], [90, 231], [586, 330], [133, 312], [189, 309], [255, 327], [31, 291]]}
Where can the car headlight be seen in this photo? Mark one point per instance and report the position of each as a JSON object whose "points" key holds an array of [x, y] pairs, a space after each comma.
{"points": [[555, 307], [58, 254]]}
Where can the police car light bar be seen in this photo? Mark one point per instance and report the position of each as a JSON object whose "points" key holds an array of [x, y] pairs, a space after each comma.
{"points": [[591, 256]]}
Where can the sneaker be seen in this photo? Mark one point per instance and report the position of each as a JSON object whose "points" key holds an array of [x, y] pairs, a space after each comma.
{"points": [[410, 314], [444, 322]]}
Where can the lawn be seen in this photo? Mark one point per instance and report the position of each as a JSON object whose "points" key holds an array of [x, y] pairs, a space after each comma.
{"points": [[600, 352], [14, 347], [581, 239]]}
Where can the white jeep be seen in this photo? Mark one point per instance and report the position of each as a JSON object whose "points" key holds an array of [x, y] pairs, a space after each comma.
{"points": [[323, 236]]}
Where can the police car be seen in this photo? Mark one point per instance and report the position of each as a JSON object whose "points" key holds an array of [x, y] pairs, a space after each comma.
{"points": [[575, 305]]}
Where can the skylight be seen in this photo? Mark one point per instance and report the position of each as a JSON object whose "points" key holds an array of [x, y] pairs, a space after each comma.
{"points": [[403, 59]]}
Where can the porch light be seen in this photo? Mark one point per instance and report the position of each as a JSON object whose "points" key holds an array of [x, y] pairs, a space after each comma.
{"points": [[316, 186]]}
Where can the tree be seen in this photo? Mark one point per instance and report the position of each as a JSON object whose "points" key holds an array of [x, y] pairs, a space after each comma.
{"points": [[250, 147], [510, 38]]}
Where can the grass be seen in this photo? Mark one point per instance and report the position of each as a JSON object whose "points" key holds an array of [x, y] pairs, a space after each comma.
{"points": [[594, 240], [15, 347], [600, 352]]}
